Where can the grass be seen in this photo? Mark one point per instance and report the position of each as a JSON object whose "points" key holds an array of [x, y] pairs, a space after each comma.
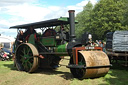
{"points": [[117, 75]]}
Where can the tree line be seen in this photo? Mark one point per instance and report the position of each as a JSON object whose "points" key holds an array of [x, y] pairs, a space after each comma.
{"points": [[105, 16]]}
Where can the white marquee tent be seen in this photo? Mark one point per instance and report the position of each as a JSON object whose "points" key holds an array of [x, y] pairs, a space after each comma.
{"points": [[6, 41]]}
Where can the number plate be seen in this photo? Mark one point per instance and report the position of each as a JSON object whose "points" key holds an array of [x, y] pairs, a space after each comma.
{"points": [[89, 47]]}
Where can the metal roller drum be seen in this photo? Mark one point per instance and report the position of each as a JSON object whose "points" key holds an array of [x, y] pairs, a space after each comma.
{"points": [[95, 58], [96, 64]]}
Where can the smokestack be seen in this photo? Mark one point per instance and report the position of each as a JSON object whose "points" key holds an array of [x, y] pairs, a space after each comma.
{"points": [[72, 25]]}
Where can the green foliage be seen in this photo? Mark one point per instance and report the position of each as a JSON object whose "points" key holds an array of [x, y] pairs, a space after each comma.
{"points": [[84, 19], [125, 20], [105, 16]]}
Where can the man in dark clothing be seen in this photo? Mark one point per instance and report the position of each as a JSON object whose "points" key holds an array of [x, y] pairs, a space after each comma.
{"points": [[20, 37], [28, 32]]}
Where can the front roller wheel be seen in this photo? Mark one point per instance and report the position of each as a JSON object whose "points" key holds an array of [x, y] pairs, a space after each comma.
{"points": [[26, 57], [90, 59], [78, 72]]}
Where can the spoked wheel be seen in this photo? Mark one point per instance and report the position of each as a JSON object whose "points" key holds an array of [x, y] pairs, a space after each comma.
{"points": [[26, 58], [91, 59]]}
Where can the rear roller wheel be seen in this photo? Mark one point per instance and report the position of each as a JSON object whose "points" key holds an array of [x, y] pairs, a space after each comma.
{"points": [[90, 59], [26, 57]]}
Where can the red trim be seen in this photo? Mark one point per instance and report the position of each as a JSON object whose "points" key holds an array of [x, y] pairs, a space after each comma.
{"points": [[35, 37], [76, 49], [27, 37]]}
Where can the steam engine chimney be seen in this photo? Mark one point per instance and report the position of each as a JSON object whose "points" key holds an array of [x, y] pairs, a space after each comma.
{"points": [[72, 26]]}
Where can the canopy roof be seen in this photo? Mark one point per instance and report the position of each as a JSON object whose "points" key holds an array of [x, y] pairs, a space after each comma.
{"points": [[47, 23]]}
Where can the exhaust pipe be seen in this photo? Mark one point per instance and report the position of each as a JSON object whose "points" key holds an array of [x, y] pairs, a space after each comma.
{"points": [[72, 37]]}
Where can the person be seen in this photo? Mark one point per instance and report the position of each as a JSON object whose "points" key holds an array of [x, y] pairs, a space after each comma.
{"points": [[100, 43], [97, 43], [20, 37], [28, 32]]}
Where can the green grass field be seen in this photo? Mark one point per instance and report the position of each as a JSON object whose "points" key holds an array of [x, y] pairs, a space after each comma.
{"points": [[117, 75]]}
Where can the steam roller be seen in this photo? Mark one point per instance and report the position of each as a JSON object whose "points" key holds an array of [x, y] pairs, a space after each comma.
{"points": [[90, 64], [45, 50]]}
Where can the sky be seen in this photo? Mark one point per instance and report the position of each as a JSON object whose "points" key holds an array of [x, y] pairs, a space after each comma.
{"points": [[17, 12]]}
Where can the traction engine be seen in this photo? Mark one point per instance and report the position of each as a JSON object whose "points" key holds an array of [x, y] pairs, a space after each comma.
{"points": [[45, 50]]}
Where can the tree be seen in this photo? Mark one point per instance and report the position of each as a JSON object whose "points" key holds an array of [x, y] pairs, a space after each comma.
{"points": [[125, 20], [84, 19], [107, 16]]}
